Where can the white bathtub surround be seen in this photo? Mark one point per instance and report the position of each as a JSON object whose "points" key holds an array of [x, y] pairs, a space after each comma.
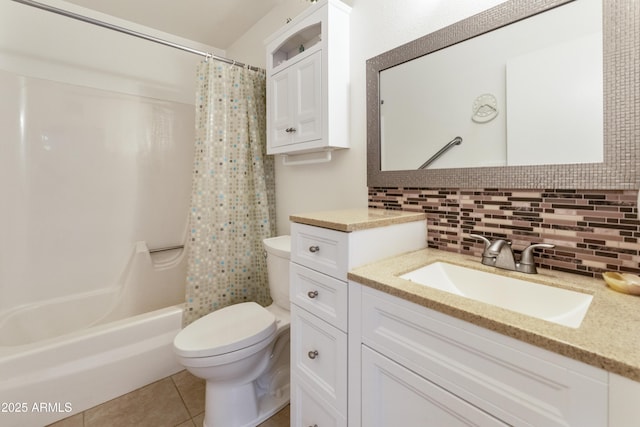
{"points": [[87, 173], [95, 170], [232, 204], [76, 241]]}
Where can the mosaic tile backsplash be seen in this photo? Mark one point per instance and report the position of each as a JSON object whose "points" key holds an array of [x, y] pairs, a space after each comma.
{"points": [[592, 230]]}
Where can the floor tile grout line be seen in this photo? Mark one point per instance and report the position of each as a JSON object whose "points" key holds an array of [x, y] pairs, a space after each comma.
{"points": [[184, 403]]}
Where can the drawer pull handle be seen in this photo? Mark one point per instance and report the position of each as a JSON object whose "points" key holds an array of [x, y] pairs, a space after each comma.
{"points": [[315, 425], [314, 249], [290, 130], [313, 354], [312, 294]]}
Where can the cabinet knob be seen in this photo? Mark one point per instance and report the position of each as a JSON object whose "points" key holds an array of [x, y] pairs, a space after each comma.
{"points": [[290, 130], [312, 294], [313, 354], [314, 249]]}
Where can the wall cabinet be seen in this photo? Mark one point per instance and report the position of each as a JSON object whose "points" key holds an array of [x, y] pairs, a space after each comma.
{"points": [[307, 81], [320, 260]]}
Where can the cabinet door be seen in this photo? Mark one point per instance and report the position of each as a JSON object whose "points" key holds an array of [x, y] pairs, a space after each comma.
{"points": [[295, 104], [319, 355], [308, 409], [308, 102], [395, 396], [281, 111]]}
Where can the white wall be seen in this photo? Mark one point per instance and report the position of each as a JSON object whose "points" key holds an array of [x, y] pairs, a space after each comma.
{"points": [[376, 26]]}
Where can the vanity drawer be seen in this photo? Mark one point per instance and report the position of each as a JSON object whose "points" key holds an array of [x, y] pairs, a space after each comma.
{"points": [[319, 355], [320, 295], [320, 249], [514, 381], [395, 396]]}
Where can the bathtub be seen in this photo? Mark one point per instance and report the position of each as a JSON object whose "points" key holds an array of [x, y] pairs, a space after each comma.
{"points": [[63, 356], [94, 161]]}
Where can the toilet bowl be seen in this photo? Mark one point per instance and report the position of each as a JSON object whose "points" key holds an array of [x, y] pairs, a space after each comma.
{"points": [[242, 351]]}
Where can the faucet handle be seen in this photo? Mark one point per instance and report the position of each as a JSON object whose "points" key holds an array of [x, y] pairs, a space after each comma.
{"points": [[486, 241], [527, 254]]}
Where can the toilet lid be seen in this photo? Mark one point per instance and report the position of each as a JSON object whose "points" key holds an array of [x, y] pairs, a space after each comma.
{"points": [[229, 329]]}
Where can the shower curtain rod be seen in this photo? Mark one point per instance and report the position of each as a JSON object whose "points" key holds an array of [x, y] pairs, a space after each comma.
{"points": [[127, 31]]}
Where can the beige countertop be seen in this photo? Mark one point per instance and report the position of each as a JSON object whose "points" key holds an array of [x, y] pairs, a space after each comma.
{"points": [[608, 338], [357, 219]]}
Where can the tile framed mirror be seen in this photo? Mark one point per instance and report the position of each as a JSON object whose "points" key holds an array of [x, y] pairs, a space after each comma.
{"points": [[511, 139]]}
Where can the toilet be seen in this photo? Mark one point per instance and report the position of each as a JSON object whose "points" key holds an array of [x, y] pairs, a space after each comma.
{"points": [[242, 351]]}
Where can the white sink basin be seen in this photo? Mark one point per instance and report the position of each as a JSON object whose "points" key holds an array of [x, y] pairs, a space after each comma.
{"points": [[561, 306]]}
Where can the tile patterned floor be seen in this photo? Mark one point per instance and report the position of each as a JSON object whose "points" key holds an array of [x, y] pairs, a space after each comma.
{"points": [[176, 401]]}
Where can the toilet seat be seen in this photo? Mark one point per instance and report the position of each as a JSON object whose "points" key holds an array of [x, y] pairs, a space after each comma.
{"points": [[226, 330]]}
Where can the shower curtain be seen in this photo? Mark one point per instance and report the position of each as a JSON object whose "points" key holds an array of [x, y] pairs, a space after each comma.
{"points": [[233, 192]]}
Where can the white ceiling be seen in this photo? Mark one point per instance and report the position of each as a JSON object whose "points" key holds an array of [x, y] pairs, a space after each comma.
{"points": [[217, 23]]}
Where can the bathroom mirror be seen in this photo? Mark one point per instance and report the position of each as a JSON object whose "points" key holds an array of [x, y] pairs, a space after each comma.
{"points": [[508, 140]]}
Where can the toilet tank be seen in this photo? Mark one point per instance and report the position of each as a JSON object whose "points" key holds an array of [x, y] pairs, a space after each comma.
{"points": [[278, 252]]}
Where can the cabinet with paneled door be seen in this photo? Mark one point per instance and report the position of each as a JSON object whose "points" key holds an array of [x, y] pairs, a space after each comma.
{"points": [[307, 81]]}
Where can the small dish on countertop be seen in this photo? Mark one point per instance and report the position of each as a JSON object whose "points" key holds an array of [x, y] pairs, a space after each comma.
{"points": [[623, 282]]}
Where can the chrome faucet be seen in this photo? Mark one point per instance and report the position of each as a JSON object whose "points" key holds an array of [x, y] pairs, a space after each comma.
{"points": [[499, 254]]}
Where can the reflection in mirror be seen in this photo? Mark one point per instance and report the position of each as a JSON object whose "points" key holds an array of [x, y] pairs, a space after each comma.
{"points": [[530, 93]]}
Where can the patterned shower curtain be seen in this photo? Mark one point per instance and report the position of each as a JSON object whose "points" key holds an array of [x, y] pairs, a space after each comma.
{"points": [[233, 191]]}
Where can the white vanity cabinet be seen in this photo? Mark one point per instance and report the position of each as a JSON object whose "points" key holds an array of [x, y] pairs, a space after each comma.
{"points": [[320, 259], [420, 367], [307, 81]]}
